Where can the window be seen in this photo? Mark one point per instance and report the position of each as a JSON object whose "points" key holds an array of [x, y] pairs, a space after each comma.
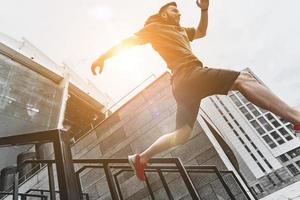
{"points": [[283, 158], [275, 135], [235, 100], [247, 148], [255, 147], [265, 123], [254, 158], [253, 109], [262, 169], [242, 97], [247, 137], [241, 141], [294, 153], [283, 120], [269, 165], [246, 113], [235, 133], [260, 154], [269, 141], [298, 163], [290, 127], [259, 188], [272, 120], [293, 169], [259, 129], [285, 134]]}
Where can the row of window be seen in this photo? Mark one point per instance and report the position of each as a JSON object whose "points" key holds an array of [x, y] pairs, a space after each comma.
{"points": [[258, 120], [245, 134]]}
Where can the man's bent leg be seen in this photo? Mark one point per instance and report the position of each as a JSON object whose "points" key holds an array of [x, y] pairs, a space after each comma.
{"points": [[139, 161], [264, 98], [165, 142]]}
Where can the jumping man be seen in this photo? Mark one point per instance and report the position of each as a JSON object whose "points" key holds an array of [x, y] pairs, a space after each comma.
{"points": [[191, 81]]}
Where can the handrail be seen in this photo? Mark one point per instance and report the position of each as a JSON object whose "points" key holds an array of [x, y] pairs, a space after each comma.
{"points": [[156, 166]]}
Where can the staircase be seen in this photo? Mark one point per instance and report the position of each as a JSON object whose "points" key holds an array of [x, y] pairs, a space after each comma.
{"points": [[69, 184]]}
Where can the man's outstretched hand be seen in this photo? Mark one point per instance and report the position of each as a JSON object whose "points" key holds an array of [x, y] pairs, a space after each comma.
{"points": [[203, 4], [97, 66]]}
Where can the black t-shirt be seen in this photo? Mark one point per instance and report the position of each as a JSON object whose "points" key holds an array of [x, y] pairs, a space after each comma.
{"points": [[172, 43]]}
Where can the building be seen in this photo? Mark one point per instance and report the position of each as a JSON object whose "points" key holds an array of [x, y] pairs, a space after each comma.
{"points": [[267, 150], [38, 94]]}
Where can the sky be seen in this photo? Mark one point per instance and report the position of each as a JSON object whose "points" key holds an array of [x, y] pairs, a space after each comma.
{"points": [[261, 35]]}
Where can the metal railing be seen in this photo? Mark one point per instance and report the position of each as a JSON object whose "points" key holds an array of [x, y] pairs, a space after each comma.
{"points": [[24, 196], [158, 165]]}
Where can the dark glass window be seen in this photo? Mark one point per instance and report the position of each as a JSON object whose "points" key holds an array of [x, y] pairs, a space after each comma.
{"points": [[285, 134], [247, 148], [254, 158], [283, 158], [265, 123], [241, 141], [254, 145], [246, 113], [293, 169], [261, 167], [269, 141], [276, 136], [253, 109], [259, 188], [242, 97], [272, 120], [298, 163], [294, 153], [235, 100], [259, 129]]}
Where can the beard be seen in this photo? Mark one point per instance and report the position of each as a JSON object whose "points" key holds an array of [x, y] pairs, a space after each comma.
{"points": [[172, 21]]}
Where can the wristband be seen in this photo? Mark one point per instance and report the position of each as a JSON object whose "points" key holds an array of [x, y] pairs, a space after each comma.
{"points": [[203, 10]]}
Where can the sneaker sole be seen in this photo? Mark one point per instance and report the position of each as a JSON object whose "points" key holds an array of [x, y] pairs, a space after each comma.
{"points": [[131, 163]]}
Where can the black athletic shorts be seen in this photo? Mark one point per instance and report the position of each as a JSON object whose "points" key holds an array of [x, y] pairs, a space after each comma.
{"points": [[191, 84]]}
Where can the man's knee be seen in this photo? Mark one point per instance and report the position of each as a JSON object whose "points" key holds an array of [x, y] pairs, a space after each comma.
{"points": [[242, 80], [183, 134]]}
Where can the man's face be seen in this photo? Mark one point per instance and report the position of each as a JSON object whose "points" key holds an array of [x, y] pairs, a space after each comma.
{"points": [[172, 15]]}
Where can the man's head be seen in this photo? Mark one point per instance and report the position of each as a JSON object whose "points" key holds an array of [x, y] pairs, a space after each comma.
{"points": [[170, 14]]}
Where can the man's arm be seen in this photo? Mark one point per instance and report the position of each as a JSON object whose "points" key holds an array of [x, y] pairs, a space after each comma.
{"points": [[115, 50], [202, 26]]}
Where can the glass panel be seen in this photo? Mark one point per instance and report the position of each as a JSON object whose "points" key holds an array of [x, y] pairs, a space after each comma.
{"points": [[242, 97], [269, 141], [256, 125], [293, 169], [285, 134], [298, 163], [253, 109], [265, 123], [276, 136], [294, 153], [235, 100], [283, 158], [246, 113], [272, 120]]}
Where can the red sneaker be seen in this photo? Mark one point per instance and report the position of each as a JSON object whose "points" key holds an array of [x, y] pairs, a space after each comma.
{"points": [[137, 166], [297, 130]]}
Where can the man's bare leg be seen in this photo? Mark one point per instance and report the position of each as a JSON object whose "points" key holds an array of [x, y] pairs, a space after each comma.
{"points": [[167, 141], [264, 98]]}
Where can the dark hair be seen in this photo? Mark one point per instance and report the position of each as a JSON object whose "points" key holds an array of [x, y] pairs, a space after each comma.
{"points": [[173, 3], [157, 17]]}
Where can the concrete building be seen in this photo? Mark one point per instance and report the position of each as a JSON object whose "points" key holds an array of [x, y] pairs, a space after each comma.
{"points": [[38, 94], [267, 150]]}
